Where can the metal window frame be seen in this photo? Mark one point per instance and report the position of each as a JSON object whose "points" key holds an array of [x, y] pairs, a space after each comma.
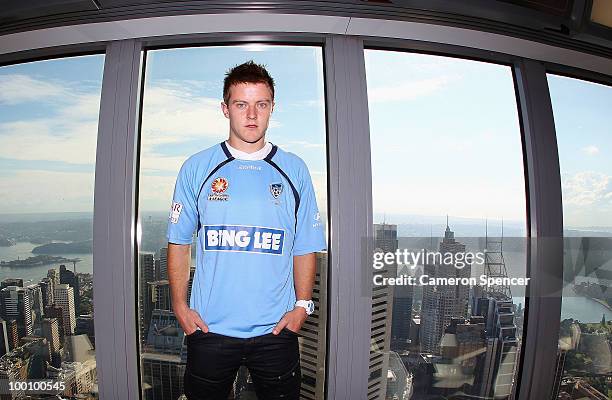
{"points": [[543, 206], [115, 310], [349, 183]]}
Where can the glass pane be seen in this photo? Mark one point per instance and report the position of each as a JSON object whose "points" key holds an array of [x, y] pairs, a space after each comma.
{"points": [[582, 121], [181, 116], [48, 130], [449, 211]]}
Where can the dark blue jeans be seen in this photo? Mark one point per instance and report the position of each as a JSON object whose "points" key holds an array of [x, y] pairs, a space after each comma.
{"points": [[213, 361]]}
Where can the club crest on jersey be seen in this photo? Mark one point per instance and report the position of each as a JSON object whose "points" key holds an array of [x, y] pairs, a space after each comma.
{"points": [[276, 189], [218, 187]]}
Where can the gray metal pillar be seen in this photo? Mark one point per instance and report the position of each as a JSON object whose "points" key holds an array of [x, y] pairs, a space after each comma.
{"points": [[545, 255], [350, 197], [114, 224]]}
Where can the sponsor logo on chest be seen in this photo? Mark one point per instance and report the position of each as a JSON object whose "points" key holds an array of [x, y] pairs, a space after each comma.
{"points": [[251, 239]]}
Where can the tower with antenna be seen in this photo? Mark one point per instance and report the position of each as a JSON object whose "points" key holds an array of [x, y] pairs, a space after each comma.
{"points": [[495, 265]]}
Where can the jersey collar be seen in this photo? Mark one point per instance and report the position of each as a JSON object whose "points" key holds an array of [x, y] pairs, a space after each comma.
{"points": [[257, 155]]}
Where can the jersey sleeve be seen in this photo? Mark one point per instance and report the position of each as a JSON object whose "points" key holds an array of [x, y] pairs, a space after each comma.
{"points": [[309, 235], [183, 218]]}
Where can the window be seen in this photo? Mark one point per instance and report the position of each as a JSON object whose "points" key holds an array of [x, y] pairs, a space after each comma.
{"points": [[181, 116], [582, 122], [48, 130], [447, 172]]}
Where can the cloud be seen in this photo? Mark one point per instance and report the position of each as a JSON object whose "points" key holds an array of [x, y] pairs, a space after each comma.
{"points": [[173, 113], [46, 191], [587, 189], [19, 88], [590, 150], [53, 139], [406, 91], [61, 124]]}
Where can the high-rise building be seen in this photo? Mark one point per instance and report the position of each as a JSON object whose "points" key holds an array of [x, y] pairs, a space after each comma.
{"points": [[147, 275], [12, 334], [162, 264], [162, 376], [441, 303], [462, 347], [55, 311], [4, 338], [313, 336], [11, 282], [192, 271], [16, 303], [85, 326], [399, 380], [495, 305], [160, 295], [53, 274], [47, 287], [37, 303], [64, 298], [165, 335], [501, 359], [51, 331], [70, 278], [385, 239]]}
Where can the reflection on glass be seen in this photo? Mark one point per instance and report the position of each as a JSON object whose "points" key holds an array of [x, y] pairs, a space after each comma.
{"points": [[48, 130], [181, 115], [583, 121], [449, 211]]}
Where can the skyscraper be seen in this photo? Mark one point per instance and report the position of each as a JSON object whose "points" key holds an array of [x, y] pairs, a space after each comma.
{"points": [[313, 337], [16, 303], [11, 282], [47, 287], [441, 303], [147, 275], [50, 330], [495, 304], [385, 239], [64, 298], [54, 276], [162, 258], [70, 278], [35, 294], [4, 342], [497, 376]]}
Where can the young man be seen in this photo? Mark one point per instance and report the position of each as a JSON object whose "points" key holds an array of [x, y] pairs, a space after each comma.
{"points": [[258, 226]]}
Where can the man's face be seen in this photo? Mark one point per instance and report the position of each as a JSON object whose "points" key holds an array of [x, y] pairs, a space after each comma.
{"points": [[249, 109]]}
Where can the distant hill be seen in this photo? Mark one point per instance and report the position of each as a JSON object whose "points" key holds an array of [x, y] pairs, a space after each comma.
{"points": [[65, 248]]}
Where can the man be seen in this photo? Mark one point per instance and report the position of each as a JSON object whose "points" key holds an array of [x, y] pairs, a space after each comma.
{"points": [[255, 213]]}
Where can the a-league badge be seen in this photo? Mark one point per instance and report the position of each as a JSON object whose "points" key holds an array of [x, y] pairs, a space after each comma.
{"points": [[276, 189], [218, 186]]}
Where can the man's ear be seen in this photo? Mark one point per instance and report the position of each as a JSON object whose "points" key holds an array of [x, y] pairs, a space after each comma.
{"points": [[224, 109]]}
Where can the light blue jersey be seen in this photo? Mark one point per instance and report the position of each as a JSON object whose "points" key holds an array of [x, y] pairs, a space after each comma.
{"points": [[251, 218]]}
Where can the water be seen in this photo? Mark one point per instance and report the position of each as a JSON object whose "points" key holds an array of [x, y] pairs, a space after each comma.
{"points": [[23, 250]]}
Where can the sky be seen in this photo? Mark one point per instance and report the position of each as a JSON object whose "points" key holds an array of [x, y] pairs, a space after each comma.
{"points": [[444, 131]]}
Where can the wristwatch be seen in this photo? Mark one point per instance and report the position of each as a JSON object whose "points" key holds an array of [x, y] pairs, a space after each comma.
{"points": [[307, 304]]}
